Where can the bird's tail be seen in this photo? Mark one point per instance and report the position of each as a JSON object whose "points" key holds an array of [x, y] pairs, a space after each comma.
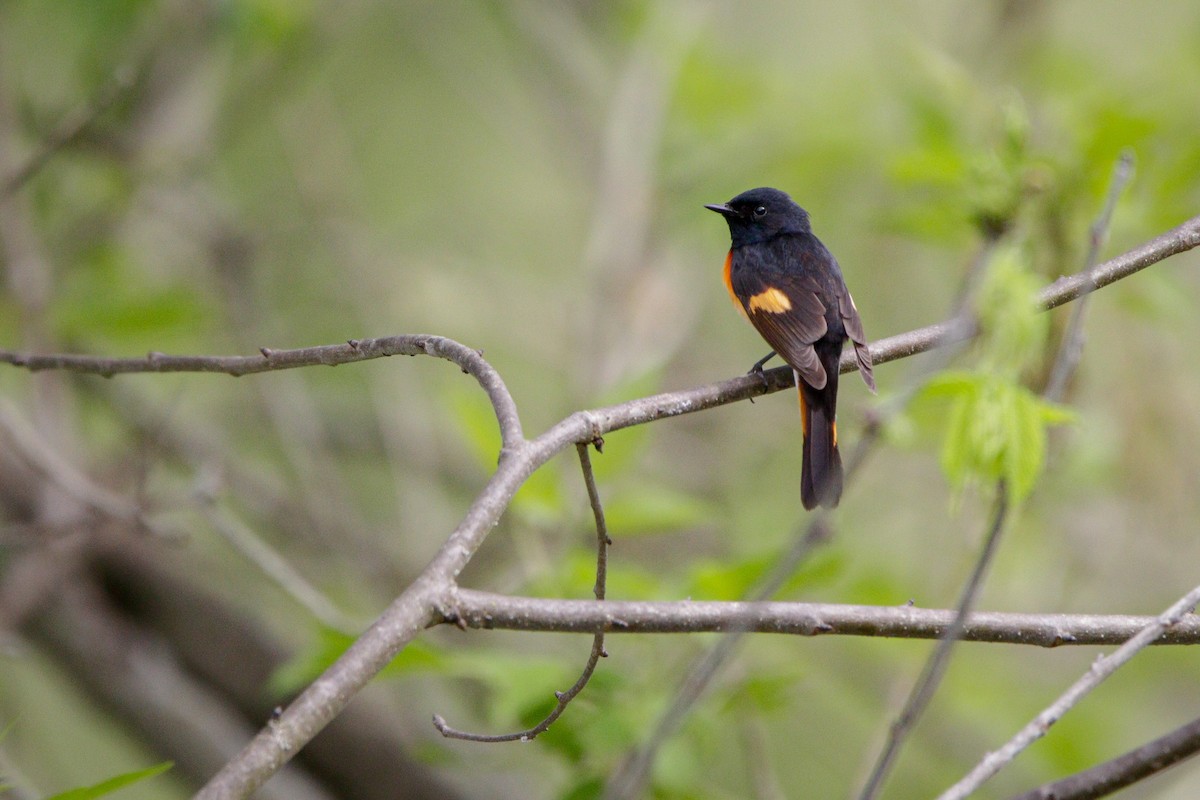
{"points": [[821, 471]]}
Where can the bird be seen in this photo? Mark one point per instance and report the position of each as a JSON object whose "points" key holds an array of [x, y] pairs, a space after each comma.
{"points": [[790, 287]]}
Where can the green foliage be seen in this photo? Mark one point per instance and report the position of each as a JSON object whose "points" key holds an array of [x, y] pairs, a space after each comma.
{"points": [[112, 784], [995, 428], [1014, 329]]}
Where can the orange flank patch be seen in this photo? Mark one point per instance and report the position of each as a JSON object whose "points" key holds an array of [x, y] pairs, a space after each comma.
{"points": [[834, 426], [772, 300], [729, 285]]}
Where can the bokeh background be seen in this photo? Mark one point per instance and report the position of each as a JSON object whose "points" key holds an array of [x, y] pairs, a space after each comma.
{"points": [[528, 178]]}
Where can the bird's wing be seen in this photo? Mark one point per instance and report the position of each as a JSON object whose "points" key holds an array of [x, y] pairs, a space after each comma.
{"points": [[787, 311], [858, 337]]}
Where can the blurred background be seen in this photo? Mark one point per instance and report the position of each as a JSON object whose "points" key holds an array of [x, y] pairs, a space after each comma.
{"points": [[528, 178]]}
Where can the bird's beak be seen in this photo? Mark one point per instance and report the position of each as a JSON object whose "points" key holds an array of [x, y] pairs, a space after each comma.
{"points": [[723, 209]]}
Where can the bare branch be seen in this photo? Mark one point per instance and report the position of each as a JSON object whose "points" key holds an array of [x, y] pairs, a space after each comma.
{"points": [[1177, 240], [489, 611], [603, 542], [1129, 768], [59, 471], [471, 362], [1072, 344], [1096, 674], [70, 129], [272, 564]]}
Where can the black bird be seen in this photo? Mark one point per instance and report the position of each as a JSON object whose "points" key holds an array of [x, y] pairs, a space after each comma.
{"points": [[790, 287]]}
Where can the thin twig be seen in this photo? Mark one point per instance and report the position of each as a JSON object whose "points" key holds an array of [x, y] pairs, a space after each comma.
{"points": [[1124, 770], [939, 659], [1072, 345], [603, 542], [1096, 674], [273, 565], [70, 129]]}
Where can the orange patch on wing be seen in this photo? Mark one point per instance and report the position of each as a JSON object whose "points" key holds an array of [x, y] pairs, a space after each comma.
{"points": [[771, 300], [834, 433]]}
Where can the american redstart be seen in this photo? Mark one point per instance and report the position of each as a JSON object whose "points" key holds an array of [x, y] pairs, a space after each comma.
{"points": [[790, 287]]}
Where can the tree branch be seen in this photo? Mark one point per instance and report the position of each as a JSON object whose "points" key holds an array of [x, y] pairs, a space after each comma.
{"points": [[1124, 770], [331, 355], [1096, 674], [1177, 240], [70, 129], [490, 611], [603, 542]]}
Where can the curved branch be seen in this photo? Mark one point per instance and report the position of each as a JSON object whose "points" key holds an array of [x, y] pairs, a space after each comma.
{"points": [[487, 610], [471, 361], [562, 699]]}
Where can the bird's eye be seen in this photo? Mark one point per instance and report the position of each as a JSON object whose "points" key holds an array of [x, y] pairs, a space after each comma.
{"points": [[761, 211]]}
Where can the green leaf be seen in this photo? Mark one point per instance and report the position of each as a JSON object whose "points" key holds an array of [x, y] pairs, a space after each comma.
{"points": [[995, 428], [112, 784], [1014, 330]]}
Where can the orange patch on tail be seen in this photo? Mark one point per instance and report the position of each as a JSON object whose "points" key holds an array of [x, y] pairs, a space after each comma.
{"points": [[804, 416]]}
